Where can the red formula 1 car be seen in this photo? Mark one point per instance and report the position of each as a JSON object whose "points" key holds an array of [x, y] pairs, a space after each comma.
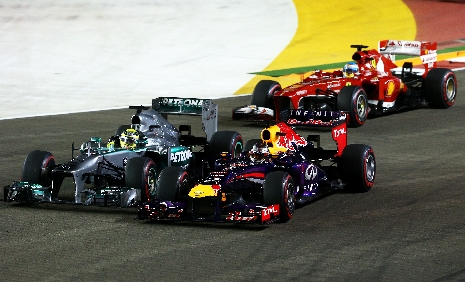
{"points": [[371, 84]]}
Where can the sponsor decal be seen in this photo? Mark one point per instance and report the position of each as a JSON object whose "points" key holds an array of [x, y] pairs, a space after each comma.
{"points": [[429, 58], [410, 44], [339, 132], [389, 88], [306, 113], [310, 122], [268, 211], [310, 172], [181, 156], [334, 84], [185, 102], [301, 92], [318, 118], [125, 162], [309, 187]]}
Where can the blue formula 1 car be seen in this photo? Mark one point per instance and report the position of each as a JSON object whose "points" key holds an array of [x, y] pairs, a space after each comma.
{"points": [[266, 182]]}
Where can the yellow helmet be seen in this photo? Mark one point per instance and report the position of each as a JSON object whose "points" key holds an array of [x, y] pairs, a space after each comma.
{"points": [[129, 138]]}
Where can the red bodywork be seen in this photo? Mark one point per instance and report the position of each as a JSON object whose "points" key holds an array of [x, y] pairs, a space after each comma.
{"points": [[374, 76]]}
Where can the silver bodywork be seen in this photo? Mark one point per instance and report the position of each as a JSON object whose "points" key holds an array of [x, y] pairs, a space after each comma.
{"points": [[158, 131], [104, 166]]}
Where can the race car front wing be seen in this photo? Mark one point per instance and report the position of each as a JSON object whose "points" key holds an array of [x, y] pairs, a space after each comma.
{"points": [[248, 213]]}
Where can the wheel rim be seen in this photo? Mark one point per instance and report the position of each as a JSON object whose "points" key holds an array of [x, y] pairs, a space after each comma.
{"points": [[151, 183], [290, 199], [237, 150], [370, 168], [361, 107], [450, 89]]}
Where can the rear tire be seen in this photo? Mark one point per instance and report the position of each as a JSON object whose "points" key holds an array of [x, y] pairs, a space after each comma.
{"points": [[357, 167], [37, 168], [172, 184], [354, 101], [440, 88], [140, 173], [225, 141], [262, 95], [278, 188]]}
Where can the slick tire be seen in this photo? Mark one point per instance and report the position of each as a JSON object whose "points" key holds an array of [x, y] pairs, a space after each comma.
{"points": [[278, 188], [353, 100], [357, 167], [37, 168], [225, 141], [262, 95], [172, 184], [140, 173], [440, 88]]}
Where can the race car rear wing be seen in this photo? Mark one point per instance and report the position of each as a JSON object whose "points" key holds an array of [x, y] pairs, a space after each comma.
{"points": [[190, 106], [425, 50], [335, 119]]}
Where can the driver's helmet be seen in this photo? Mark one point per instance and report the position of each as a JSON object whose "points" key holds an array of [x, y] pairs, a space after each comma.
{"points": [[350, 69], [128, 139], [259, 152]]}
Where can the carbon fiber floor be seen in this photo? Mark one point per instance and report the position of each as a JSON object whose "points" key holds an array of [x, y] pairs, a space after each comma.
{"points": [[409, 227]]}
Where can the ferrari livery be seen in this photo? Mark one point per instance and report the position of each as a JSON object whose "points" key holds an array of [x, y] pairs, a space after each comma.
{"points": [[371, 84]]}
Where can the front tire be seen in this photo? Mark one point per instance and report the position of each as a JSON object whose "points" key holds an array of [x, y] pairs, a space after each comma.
{"points": [[262, 95], [225, 141], [140, 173], [37, 168], [172, 184], [440, 88], [278, 188], [357, 167], [353, 100]]}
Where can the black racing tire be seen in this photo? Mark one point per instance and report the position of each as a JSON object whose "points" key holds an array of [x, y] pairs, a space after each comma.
{"points": [[121, 129], [37, 168], [440, 88], [278, 188], [172, 184], [140, 173], [225, 141], [250, 143], [357, 168], [354, 101], [262, 95]]}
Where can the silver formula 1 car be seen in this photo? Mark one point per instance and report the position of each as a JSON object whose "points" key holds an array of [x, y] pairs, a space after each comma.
{"points": [[123, 171]]}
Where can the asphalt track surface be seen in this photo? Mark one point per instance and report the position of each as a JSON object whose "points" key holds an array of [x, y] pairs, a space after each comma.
{"points": [[409, 227]]}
